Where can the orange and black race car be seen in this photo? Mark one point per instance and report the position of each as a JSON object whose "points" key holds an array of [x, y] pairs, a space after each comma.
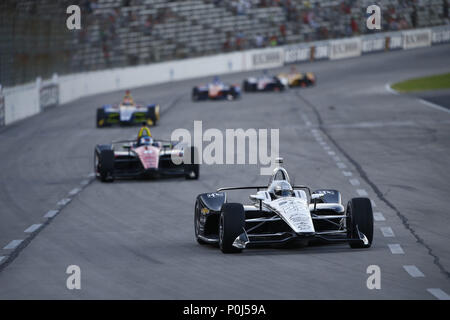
{"points": [[298, 79]]}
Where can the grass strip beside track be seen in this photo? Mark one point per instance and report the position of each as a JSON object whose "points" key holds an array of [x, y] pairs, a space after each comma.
{"points": [[441, 81]]}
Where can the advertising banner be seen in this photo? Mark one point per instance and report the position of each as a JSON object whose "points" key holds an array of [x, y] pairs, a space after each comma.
{"points": [[416, 38], [49, 96], [345, 48], [268, 58], [294, 54], [441, 35], [375, 43]]}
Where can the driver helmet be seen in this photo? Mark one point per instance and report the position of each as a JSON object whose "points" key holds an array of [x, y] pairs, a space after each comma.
{"points": [[146, 141], [283, 189]]}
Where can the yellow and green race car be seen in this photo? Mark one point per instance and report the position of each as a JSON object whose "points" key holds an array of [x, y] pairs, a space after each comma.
{"points": [[127, 113]]}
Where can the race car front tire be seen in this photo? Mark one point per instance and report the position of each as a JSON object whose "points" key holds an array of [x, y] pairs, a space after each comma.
{"points": [[359, 217], [104, 165], [231, 225], [197, 223], [195, 94], [101, 118], [152, 114]]}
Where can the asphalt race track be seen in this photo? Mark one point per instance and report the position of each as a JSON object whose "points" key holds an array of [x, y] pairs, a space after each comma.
{"points": [[135, 239]]}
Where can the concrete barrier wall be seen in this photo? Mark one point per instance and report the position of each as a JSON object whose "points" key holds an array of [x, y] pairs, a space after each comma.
{"points": [[84, 84], [26, 100], [21, 102]]}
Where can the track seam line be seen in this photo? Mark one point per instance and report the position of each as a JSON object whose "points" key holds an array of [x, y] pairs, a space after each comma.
{"points": [[375, 188]]}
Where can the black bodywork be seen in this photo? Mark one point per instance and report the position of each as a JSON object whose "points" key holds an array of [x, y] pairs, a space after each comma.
{"points": [[274, 85], [109, 165], [264, 227]]}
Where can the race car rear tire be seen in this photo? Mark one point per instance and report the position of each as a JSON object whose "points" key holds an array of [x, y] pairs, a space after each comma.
{"points": [[359, 217], [195, 94], [234, 93], [192, 169], [249, 87], [104, 165], [231, 225], [100, 119], [152, 114]]}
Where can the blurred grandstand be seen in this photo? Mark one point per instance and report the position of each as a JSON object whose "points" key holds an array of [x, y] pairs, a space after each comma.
{"points": [[116, 33]]}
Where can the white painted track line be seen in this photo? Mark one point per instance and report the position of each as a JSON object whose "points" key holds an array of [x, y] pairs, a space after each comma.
{"points": [[74, 191], [13, 244], [427, 103], [396, 249], [388, 88], [378, 216], [51, 214], [347, 173], [63, 202], [434, 106], [387, 232], [341, 165], [439, 293], [354, 182], [413, 271], [362, 192], [33, 228]]}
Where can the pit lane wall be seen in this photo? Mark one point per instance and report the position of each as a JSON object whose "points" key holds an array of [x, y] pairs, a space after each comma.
{"points": [[26, 100]]}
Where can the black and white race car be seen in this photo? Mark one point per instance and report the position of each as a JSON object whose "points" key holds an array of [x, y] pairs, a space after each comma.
{"points": [[264, 83], [280, 214]]}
